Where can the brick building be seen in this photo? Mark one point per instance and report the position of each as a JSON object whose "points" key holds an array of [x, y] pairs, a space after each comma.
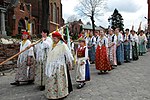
{"points": [[75, 27], [26, 15], [55, 13], [19, 17]]}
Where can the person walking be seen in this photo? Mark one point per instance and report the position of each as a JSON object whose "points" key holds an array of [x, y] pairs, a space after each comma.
{"points": [[120, 47], [25, 62], [135, 40], [112, 40], [102, 62], [127, 43], [41, 50], [59, 61], [142, 43], [82, 69]]}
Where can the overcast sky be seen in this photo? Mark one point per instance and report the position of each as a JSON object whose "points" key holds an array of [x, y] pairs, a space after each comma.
{"points": [[132, 11]]}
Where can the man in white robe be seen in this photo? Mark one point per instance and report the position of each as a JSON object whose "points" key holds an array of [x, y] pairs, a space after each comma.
{"points": [[41, 57]]}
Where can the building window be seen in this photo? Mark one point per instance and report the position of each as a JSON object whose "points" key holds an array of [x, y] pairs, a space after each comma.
{"points": [[22, 6], [51, 11], [55, 13]]}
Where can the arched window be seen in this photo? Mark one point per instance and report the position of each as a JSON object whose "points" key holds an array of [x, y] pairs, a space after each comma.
{"points": [[58, 15], [21, 25], [55, 13], [51, 11], [22, 6]]}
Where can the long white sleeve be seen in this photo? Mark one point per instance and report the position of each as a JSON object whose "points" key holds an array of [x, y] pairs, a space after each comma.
{"points": [[94, 40], [86, 53], [145, 38], [121, 37], [106, 42], [47, 43], [136, 38], [115, 39]]}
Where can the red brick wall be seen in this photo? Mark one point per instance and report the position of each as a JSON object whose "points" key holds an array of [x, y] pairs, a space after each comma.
{"points": [[20, 14], [36, 10], [8, 50], [59, 14]]}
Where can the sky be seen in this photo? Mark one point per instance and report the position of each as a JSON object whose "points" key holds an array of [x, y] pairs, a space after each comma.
{"points": [[132, 11]]}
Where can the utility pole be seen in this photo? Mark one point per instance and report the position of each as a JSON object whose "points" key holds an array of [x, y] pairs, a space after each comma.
{"points": [[38, 16]]}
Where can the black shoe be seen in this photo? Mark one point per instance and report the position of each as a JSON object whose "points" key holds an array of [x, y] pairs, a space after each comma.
{"points": [[81, 85], [127, 61], [100, 72], [119, 63], [84, 83], [92, 62], [15, 83], [30, 82], [42, 88]]}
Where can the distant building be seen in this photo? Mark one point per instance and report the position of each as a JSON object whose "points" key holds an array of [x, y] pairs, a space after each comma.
{"points": [[89, 27], [77, 27]]}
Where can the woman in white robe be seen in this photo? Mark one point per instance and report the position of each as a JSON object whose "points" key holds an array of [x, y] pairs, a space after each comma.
{"points": [[25, 62], [58, 83]]}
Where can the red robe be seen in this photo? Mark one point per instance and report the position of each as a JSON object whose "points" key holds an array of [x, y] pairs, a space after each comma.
{"points": [[102, 62]]}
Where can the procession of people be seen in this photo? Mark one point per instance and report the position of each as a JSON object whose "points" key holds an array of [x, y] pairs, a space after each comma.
{"points": [[47, 64]]}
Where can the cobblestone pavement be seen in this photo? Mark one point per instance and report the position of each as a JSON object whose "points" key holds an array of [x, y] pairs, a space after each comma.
{"points": [[130, 81]]}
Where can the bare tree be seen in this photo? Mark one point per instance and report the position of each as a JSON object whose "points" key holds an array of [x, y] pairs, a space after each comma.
{"points": [[72, 18], [91, 9]]}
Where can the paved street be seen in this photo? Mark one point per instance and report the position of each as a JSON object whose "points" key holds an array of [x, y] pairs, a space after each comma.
{"points": [[130, 81]]}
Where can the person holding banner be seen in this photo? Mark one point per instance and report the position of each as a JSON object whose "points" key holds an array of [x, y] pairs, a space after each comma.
{"points": [[25, 62], [59, 59], [41, 50]]}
